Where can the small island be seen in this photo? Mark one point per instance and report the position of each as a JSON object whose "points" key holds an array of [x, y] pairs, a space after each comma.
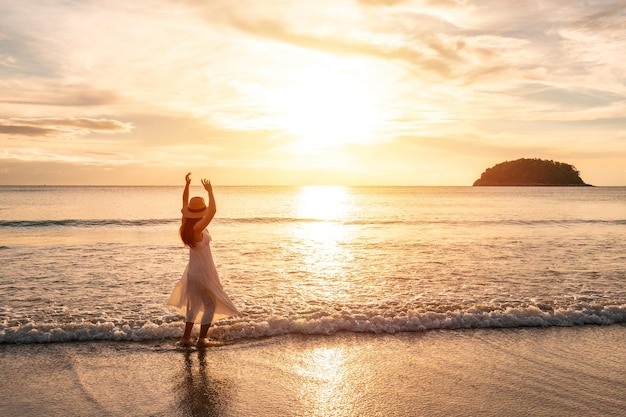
{"points": [[530, 172]]}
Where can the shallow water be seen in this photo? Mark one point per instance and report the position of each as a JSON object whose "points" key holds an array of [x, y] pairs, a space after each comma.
{"points": [[98, 263]]}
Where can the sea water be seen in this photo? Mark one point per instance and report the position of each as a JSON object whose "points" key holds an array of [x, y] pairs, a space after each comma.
{"points": [[99, 263]]}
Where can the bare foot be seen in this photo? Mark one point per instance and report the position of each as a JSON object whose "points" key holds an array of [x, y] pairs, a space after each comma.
{"points": [[205, 342], [184, 343]]}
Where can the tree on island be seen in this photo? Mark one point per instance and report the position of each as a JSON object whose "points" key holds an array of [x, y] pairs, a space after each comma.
{"points": [[529, 172]]}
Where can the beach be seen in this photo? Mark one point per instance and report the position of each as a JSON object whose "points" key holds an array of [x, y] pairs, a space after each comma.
{"points": [[353, 301], [487, 372]]}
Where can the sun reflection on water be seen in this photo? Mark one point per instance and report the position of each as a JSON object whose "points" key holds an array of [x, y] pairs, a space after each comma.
{"points": [[324, 244], [323, 370]]}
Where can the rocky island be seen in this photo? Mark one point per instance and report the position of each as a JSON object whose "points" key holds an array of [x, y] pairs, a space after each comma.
{"points": [[530, 172]]}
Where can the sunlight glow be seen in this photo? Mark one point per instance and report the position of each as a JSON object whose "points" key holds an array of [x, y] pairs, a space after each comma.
{"points": [[368, 92], [324, 243], [324, 107], [323, 202], [323, 369]]}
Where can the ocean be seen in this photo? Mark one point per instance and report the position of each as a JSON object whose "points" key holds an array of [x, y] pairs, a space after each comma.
{"points": [[354, 301], [98, 263]]}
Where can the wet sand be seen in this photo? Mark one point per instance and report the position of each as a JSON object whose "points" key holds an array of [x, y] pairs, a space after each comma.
{"points": [[516, 372]]}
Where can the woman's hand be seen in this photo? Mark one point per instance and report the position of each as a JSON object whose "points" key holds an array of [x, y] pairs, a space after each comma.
{"points": [[207, 185], [211, 210], [188, 178]]}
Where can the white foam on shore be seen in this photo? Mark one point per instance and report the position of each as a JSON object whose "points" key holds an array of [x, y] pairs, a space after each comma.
{"points": [[319, 322]]}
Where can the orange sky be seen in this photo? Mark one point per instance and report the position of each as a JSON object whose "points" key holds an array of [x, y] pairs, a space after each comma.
{"points": [[371, 92]]}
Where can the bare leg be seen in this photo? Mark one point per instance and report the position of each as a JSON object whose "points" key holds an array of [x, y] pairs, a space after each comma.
{"points": [[186, 339], [204, 329], [202, 340]]}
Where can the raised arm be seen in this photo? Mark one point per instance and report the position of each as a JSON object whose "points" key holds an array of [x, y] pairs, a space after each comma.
{"points": [[186, 191], [212, 209]]}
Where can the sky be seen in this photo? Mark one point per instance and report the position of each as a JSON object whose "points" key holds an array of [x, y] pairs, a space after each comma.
{"points": [[325, 92]]}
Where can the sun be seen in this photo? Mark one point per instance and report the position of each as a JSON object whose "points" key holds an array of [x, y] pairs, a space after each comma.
{"points": [[324, 202], [325, 107]]}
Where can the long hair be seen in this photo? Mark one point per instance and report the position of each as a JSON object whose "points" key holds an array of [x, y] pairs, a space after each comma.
{"points": [[186, 231]]}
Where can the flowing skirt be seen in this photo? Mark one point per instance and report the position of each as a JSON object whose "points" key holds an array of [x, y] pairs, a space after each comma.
{"points": [[199, 295]]}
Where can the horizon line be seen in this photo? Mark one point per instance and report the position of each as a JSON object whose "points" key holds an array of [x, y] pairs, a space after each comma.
{"points": [[307, 185]]}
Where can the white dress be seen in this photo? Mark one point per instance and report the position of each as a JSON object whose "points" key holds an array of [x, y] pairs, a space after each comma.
{"points": [[199, 295]]}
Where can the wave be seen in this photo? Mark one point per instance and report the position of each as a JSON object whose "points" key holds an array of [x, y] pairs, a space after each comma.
{"points": [[274, 220], [248, 327], [84, 223], [488, 222], [269, 220], [135, 223]]}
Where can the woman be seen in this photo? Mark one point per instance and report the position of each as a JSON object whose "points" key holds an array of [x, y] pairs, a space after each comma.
{"points": [[198, 295]]}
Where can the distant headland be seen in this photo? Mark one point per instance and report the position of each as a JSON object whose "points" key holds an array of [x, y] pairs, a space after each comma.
{"points": [[530, 172]]}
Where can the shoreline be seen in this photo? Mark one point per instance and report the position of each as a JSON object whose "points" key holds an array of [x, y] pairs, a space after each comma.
{"points": [[488, 372]]}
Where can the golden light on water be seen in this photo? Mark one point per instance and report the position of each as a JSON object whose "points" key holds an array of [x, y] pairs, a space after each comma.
{"points": [[324, 371], [324, 243]]}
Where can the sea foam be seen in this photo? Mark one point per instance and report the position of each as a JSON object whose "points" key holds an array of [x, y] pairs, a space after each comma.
{"points": [[250, 327]]}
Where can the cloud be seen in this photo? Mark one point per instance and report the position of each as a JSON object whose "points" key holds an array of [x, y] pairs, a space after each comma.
{"points": [[430, 54], [429, 3], [381, 2], [608, 16], [61, 127], [567, 98], [14, 130], [207, 83], [431, 46], [56, 94]]}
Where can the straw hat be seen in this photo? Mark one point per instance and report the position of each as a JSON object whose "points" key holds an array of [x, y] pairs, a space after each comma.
{"points": [[195, 209]]}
